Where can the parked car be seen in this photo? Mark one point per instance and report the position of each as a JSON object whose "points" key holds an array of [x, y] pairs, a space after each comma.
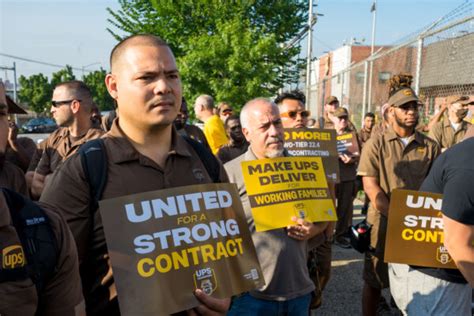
{"points": [[39, 125]]}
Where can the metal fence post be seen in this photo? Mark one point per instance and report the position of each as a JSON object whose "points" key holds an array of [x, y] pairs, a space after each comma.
{"points": [[419, 54], [364, 89]]}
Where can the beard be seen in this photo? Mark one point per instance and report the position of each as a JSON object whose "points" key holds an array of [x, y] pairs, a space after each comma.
{"points": [[274, 153], [400, 122]]}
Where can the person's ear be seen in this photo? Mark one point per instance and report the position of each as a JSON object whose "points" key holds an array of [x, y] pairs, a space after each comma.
{"points": [[111, 84]]}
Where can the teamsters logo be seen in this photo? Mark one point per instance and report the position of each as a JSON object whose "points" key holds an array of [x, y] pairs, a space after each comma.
{"points": [[442, 255], [205, 279], [13, 257]]}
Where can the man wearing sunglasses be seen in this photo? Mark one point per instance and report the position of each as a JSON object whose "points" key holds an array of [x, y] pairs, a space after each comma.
{"points": [[292, 112], [293, 115], [400, 158], [71, 108]]}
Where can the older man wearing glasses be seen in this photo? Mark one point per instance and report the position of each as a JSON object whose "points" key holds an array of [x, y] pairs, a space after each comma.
{"points": [[71, 109]]}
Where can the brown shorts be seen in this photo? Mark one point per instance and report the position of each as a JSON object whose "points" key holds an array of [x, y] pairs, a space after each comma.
{"points": [[375, 269]]}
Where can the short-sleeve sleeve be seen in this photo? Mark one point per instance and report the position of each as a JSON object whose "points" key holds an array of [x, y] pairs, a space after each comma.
{"points": [[369, 161]]}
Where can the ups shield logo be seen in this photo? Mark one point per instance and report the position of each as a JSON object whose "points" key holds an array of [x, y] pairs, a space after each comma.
{"points": [[13, 257], [205, 279], [299, 210], [442, 255]]}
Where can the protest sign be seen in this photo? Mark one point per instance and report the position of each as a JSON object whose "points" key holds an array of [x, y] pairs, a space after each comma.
{"points": [[280, 188], [347, 144], [164, 244], [415, 230], [315, 143]]}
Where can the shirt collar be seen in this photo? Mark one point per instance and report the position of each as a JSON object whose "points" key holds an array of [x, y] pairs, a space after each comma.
{"points": [[124, 150], [391, 135]]}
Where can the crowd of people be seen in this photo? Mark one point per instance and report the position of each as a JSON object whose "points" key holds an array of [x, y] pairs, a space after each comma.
{"points": [[149, 145]]}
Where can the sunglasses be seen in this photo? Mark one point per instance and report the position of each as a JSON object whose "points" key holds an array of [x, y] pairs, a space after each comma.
{"points": [[294, 114], [59, 103], [227, 111]]}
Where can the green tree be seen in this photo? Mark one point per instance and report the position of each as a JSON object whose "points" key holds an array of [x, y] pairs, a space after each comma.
{"points": [[96, 82], [232, 50], [36, 91], [62, 75]]}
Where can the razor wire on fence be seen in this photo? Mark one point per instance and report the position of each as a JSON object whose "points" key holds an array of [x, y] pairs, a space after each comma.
{"points": [[439, 58]]}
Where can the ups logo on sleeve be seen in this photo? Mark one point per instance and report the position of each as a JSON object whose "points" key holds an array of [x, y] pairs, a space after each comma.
{"points": [[13, 257]]}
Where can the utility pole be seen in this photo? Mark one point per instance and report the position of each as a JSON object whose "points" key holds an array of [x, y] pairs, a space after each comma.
{"points": [[15, 85], [309, 54], [372, 47]]}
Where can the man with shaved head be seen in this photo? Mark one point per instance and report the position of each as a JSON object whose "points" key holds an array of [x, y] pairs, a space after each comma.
{"points": [[144, 153], [282, 253], [71, 109], [213, 126]]}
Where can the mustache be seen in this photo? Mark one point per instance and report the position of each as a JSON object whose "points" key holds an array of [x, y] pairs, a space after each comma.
{"points": [[273, 139]]}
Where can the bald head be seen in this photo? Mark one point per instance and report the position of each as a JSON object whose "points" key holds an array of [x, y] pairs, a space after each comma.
{"points": [[206, 101], [253, 107], [134, 40], [262, 127]]}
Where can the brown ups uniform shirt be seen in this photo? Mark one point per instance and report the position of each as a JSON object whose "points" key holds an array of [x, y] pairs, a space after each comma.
{"points": [[60, 145], [61, 294], [363, 136], [13, 178], [129, 172], [444, 134], [395, 166]]}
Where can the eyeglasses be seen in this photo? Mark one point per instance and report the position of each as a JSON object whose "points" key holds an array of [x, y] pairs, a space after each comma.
{"points": [[227, 111], [59, 103], [294, 114], [342, 118]]}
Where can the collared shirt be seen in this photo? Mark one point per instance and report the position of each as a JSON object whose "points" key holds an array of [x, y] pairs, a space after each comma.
{"points": [[215, 133], [129, 172], [13, 178], [61, 293], [283, 259], [363, 136], [195, 133], [59, 146], [394, 165], [445, 135]]}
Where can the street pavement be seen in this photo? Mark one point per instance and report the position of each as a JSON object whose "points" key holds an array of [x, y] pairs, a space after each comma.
{"points": [[343, 293]]}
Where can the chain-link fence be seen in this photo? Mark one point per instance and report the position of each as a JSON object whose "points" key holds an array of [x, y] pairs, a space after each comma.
{"points": [[439, 58]]}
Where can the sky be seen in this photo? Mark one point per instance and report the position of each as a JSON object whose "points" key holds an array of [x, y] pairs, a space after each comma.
{"points": [[74, 32]]}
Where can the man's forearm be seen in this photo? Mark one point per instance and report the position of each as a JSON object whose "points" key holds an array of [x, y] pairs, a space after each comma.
{"points": [[376, 195], [459, 240]]}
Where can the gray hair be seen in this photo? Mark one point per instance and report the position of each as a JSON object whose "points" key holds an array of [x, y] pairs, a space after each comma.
{"points": [[244, 113], [206, 101]]}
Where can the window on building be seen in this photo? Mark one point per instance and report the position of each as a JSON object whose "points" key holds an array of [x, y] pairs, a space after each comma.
{"points": [[359, 76], [384, 76]]}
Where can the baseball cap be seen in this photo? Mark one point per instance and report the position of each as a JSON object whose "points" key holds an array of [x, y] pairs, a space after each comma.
{"points": [[402, 96], [331, 99], [13, 108], [340, 112], [463, 99]]}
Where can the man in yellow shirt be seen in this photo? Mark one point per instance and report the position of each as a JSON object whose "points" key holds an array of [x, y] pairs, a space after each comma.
{"points": [[213, 126]]}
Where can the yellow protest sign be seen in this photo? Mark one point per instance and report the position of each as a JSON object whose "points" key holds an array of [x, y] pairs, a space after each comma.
{"points": [[305, 142], [415, 230], [280, 188]]}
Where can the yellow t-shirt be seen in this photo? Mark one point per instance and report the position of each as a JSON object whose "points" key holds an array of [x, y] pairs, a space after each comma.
{"points": [[215, 133]]}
